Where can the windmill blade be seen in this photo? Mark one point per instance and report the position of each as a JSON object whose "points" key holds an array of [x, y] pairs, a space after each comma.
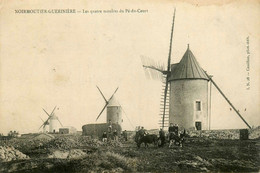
{"points": [[46, 112], [101, 94], [168, 70], [113, 94], [53, 110], [170, 50], [46, 122], [44, 125], [153, 69], [101, 111], [41, 126], [107, 102], [42, 120]]}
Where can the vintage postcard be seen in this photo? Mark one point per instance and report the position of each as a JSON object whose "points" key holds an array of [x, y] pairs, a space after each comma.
{"points": [[129, 86]]}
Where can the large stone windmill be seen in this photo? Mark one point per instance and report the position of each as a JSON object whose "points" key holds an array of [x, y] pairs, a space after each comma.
{"points": [[187, 101]]}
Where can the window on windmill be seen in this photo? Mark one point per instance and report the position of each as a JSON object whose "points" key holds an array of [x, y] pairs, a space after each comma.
{"points": [[198, 106]]}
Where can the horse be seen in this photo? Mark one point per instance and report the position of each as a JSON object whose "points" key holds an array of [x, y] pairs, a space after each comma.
{"points": [[177, 139], [146, 139]]}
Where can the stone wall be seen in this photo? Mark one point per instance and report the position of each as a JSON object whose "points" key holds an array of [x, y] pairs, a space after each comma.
{"points": [[224, 134]]}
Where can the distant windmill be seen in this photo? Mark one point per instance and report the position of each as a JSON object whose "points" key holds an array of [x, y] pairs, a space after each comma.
{"points": [[187, 102], [114, 110], [52, 121]]}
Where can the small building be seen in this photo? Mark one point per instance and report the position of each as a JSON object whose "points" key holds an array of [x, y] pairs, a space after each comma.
{"points": [[67, 130], [96, 130]]}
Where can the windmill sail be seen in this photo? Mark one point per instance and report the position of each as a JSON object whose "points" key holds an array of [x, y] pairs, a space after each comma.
{"points": [[101, 94], [102, 111], [164, 74], [153, 70], [107, 101], [168, 70]]}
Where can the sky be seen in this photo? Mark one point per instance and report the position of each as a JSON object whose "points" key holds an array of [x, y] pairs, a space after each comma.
{"points": [[49, 60]]}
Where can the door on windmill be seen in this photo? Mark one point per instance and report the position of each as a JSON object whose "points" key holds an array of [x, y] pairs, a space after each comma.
{"points": [[198, 125]]}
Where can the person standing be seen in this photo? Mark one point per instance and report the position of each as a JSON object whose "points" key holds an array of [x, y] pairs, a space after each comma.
{"points": [[142, 132], [115, 135], [110, 130], [176, 129], [171, 128], [109, 126], [162, 137], [125, 135], [104, 136], [171, 131]]}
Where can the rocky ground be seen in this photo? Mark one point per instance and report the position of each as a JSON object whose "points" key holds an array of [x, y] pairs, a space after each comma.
{"points": [[75, 153]]}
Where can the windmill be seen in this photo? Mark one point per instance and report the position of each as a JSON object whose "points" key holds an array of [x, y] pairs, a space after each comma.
{"points": [[53, 121], [114, 111], [114, 118], [188, 100]]}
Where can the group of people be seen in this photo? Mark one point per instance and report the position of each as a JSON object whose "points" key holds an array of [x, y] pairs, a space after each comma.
{"points": [[173, 129], [173, 132], [112, 134]]}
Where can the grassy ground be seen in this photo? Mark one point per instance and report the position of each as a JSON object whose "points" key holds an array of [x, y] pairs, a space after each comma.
{"points": [[197, 155]]}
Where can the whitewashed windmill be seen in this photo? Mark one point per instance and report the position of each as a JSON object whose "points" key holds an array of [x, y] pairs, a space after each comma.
{"points": [[53, 122], [188, 100]]}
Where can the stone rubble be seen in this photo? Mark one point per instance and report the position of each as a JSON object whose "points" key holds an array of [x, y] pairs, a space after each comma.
{"points": [[67, 154], [10, 153]]}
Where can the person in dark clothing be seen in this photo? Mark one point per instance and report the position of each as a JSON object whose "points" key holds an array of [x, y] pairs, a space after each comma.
{"points": [[162, 137], [142, 131], [171, 131], [125, 135], [104, 137], [171, 128], [115, 135], [176, 129], [109, 128]]}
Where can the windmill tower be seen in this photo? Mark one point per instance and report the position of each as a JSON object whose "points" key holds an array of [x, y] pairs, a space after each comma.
{"points": [[53, 122], [188, 100], [189, 93], [114, 109]]}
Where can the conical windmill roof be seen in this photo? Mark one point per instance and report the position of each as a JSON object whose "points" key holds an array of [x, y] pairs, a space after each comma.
{"points": [[187, 68], [113, 102]]}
